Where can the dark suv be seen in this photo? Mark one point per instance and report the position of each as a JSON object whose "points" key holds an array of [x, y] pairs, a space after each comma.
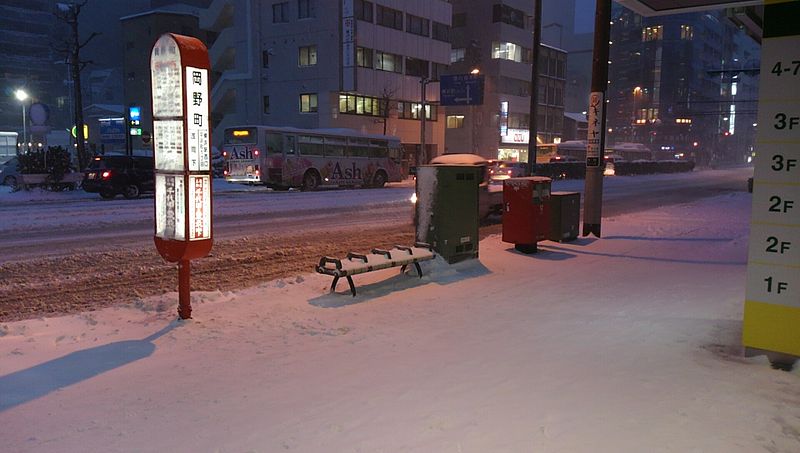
{"points": [[127, 175]]}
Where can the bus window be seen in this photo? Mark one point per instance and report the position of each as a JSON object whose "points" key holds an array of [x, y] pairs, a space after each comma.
{"points": [[291, 146], [359, 147], [273, 143], [335, 146], [241, 136], [378, 148], [310, 145]]}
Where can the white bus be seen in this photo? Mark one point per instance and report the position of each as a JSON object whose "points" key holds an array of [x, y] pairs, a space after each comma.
{"points": [[284, 157]]}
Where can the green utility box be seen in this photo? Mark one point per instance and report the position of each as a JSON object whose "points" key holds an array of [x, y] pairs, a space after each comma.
{"points": [[447, 209], [565, 216]]}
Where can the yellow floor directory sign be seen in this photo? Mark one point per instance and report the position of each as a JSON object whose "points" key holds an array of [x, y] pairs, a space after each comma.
{"points": [[772, 303]]}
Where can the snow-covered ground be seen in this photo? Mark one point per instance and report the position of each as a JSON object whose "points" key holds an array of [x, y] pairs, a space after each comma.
{"points": [[629, 343]]}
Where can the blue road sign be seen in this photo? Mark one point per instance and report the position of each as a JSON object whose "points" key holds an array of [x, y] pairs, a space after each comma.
{"points": [[461, 89]]}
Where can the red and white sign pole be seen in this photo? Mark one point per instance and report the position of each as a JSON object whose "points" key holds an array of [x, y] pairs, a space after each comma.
{"points": [[179, 68]]}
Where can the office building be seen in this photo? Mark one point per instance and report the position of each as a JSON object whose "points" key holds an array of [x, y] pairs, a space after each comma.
{"points": [[494, 39]]}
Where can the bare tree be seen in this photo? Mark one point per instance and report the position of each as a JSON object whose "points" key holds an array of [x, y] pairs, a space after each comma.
{"points": [[387, 103], [69, 13]]}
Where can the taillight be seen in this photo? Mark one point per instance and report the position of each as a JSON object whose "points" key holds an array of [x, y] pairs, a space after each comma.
{"points": [[224, 154], [106, 174], [258, 169], [224, 172], [255, 152]]}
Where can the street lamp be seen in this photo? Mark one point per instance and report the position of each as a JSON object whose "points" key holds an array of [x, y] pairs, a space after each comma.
{"points": [[22, 96], [637, 92], [424, 81]]}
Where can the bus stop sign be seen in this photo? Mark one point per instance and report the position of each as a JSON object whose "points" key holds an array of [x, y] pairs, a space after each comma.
{"points": [[179, 68]]}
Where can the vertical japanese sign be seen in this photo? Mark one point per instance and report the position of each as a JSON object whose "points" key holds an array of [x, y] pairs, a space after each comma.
{"points": [[772, 303], [594, 155], [179, 69], [348, 46]]}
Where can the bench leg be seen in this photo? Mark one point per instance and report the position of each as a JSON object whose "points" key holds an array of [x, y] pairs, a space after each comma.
{"points": [[333, 285], [352, 286], [419, 269], [403, 268]]}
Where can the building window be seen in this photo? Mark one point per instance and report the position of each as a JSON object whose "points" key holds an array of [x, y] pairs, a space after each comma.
{"points": [[652, 33], [459, 20], [389, 17], [266, 105], [364, 57], [308, 103], [507, 51], [455, 121], [508, 15], [687, 32], [265, 58], [305, 9], [280, 12], [353, 104], [441, 32], [416, 67], [418, 25], [363, 10], [410, 111], [307, 56], [388, 62], [129, 45], [457, 55]]}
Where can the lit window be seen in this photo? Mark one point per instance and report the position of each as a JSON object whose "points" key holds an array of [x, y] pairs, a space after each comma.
{"points": [[307, 56], [507, 51], [652, 33], [308, 102], [455, 121], [687, 32]]}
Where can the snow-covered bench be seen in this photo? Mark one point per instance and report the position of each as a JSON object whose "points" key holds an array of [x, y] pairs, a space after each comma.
{"points": [[356, 263]]}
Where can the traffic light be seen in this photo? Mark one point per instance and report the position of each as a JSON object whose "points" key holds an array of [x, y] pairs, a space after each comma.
{"points": [[135, 120]]}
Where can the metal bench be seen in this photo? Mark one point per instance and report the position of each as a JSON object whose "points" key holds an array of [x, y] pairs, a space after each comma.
{"points": [[357, 263]]}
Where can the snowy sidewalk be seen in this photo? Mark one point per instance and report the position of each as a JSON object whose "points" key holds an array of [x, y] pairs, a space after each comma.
{"points": [[630, 343]]}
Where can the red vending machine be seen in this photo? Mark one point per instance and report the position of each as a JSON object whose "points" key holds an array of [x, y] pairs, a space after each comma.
{"points": [[526, 211]]}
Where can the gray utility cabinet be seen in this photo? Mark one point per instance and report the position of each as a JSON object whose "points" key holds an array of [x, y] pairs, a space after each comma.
{"points": [[446, 214], [565, 216]]}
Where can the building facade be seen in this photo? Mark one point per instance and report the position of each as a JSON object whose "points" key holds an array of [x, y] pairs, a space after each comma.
{"points": [[140, 32], [30, 34], [353, 64], [494, 39], [683, 85]]}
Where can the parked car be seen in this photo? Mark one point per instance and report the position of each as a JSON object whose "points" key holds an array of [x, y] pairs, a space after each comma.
{"points": [[109, 176], [9, 172], [502, 169]]}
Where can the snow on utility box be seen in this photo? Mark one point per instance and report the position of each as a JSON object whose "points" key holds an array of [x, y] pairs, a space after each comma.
{"points": [[447, 209]]}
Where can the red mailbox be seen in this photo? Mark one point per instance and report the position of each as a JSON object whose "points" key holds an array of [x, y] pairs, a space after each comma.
{"points": [[526, 211], [179, 68]]}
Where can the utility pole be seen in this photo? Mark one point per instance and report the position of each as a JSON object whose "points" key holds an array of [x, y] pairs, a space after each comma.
{"points": [[595, 145], [69, 12], [421, 156], [533, 111]]}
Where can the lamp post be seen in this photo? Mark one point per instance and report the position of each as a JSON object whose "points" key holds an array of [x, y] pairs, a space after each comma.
{"points": [[22, 96], [637, 93]]}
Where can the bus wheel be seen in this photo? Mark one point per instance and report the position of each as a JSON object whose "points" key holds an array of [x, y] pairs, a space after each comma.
{"points": [[379, 180], [310, 180]]}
